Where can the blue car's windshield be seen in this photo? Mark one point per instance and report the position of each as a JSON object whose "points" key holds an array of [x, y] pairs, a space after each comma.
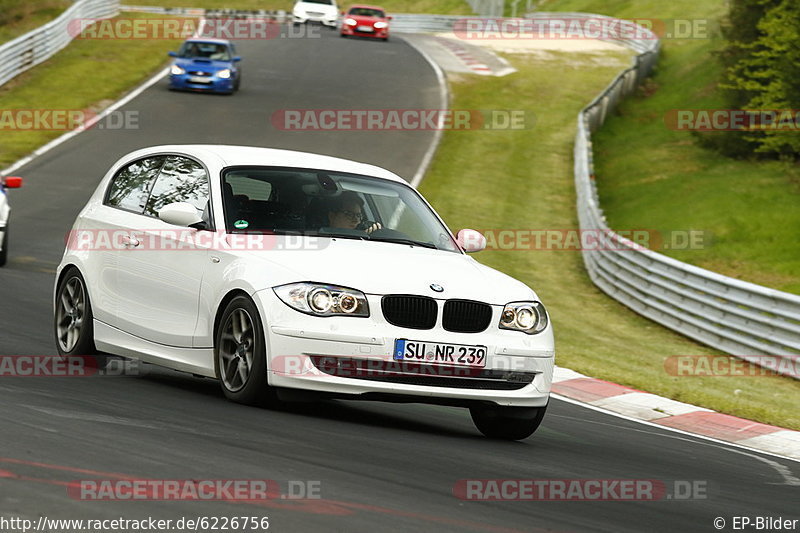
{"points": [[215, 51]]}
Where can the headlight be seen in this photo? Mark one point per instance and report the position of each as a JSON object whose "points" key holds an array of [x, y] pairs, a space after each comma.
{"points": [[380, 25], [176, 70], [323, 300], [224, 73], [530, 317], [350, 22]]}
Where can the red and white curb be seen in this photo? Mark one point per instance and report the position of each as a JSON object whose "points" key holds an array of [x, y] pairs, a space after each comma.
{"points": [[465, 56], [640, 405]]}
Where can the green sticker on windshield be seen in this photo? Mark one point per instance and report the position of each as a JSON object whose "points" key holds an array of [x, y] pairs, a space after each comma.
{"points": [[241, 224]]}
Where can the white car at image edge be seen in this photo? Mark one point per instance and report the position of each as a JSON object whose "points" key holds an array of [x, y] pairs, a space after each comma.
{"points": [[323, 11], [9, 182], [284, 273]]}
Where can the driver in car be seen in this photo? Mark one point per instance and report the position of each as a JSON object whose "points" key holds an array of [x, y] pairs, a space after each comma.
{"points": [[346, 211]]}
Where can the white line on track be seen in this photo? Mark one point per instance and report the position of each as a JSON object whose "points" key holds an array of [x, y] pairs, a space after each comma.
{"points": [[443, 104], [787, 475]]}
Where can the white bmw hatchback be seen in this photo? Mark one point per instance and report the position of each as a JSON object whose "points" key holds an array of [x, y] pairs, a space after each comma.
{"points": [[281, 272]]}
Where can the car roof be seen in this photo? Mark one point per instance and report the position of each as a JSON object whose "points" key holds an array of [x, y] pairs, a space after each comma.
{"points": [[230, 155], [367, 7], [208, 40]]}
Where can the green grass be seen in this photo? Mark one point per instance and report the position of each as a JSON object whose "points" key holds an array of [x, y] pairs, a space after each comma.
{"points": [[652, 177], [441, 7], [87, 74], [523, 179], [18, 17]]}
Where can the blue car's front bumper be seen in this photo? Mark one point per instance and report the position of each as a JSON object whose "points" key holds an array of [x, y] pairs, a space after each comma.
{"points": [[189, 82]]}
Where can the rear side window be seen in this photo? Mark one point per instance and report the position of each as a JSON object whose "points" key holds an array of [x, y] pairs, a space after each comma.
{"points": [[181, 180], [131, 186]]}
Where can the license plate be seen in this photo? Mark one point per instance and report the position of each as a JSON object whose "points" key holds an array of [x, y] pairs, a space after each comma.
{"points": [[199, 79], [440, 353], [364, 28]]}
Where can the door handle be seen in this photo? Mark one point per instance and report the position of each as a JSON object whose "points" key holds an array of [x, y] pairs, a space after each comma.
{"points": [[130, 241]]}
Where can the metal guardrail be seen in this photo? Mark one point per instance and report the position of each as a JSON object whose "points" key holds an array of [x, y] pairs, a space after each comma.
{"points": [[27, 51], [742, 319]]}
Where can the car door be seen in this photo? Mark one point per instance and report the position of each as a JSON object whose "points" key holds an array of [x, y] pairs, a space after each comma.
{"points": [[105, 228], [161, 271]]}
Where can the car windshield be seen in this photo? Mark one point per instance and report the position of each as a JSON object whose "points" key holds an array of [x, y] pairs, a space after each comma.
{"points": [[321, 203], [194, 49], [324, 2], [366, 12]]}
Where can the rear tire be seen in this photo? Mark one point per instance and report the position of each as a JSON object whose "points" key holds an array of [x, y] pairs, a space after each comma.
{"points": [[241, 356], [73, 321], [507, 423], [4, 250]]}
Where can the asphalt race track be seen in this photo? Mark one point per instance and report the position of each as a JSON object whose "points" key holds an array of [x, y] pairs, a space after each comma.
{"points": [[378, 466]]}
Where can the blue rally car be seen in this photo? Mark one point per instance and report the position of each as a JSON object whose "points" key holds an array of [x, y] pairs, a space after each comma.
{"points": [[206, 65]]}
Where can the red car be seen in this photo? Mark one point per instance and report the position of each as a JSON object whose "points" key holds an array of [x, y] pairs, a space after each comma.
{"points": [[366, 21]]}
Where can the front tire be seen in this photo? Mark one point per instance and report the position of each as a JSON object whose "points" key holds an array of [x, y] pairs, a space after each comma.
{"points": [[507, 423], [241, 355], [73, 321]]}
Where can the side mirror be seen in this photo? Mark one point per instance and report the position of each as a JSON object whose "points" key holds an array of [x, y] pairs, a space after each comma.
{"points": [[11, 182], [180, 214], [470, 240], [172, 54], [389, 17], [237, 58]]}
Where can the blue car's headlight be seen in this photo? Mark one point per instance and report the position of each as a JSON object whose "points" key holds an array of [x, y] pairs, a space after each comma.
{"points": [[175, 70], [528, 317], [224, 74], [323, 300]]}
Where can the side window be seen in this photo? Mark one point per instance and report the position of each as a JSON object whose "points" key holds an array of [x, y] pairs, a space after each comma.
{"points": [[181, 180], [131, 186]]}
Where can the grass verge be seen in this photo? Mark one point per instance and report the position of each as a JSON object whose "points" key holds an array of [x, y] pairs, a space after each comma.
{"points": [[523, 179], [650, 176], [18, 17], [89, 74], [440, 7]]}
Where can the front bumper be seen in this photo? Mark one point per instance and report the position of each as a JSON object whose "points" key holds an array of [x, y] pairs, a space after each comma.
{"points": [[376, 33], [215, 84], [302, 18], [352, 357]]}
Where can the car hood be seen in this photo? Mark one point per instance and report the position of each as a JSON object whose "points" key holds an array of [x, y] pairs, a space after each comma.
{"points": [[383, 268], [208, 65]]}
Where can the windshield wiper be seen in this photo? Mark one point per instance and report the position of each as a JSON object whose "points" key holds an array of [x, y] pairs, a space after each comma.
{"points": [[412, 242]]}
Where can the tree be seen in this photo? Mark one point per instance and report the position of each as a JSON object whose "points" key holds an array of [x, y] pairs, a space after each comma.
{"points": [[762, 72]]}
